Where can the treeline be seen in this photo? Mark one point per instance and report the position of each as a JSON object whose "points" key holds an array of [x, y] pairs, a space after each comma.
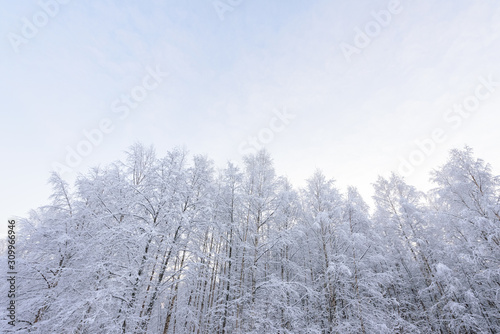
{"points": [[171, 245]]}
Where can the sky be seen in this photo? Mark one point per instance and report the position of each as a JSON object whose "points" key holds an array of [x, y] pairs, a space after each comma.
{"points": [[355, 88]]}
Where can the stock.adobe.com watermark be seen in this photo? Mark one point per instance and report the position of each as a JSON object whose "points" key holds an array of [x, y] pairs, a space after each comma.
{"points": [[454, 118], [371, 30], [11, 273], [223, 6], [277, 123], [121, 107], [30, 26]]}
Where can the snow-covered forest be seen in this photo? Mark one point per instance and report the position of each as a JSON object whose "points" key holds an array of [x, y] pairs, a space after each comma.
{"points": [[174, 245]]}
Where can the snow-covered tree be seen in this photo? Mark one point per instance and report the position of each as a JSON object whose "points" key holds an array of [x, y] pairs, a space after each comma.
{"points": [[171, 245]]}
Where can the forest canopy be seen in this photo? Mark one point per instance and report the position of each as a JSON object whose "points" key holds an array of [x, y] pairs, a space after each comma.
{"points": [[173, 245]]}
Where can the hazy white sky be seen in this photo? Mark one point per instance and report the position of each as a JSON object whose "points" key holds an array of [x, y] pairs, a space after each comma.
{"points": [[361, 81]]}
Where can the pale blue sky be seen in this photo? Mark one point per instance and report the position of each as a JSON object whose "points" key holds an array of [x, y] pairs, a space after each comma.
{"points": [[353, 119]]}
